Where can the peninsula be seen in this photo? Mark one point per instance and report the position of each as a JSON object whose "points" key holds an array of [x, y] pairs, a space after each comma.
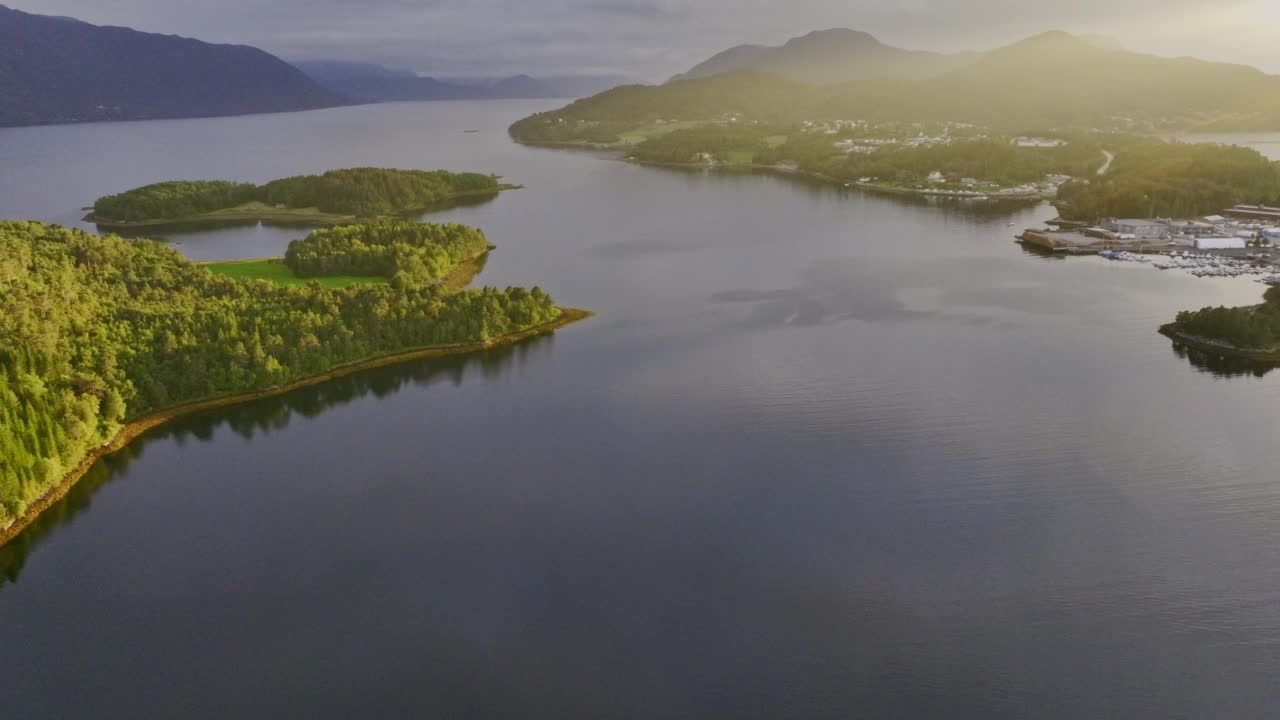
{"points": [[1251, 333], [336, 197], [104, 338]]}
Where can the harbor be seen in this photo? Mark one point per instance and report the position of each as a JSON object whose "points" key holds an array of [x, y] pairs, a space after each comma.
{"points": [[1258, 267]]}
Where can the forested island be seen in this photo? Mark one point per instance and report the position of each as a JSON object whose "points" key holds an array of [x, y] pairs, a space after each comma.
{"points": [[102, 338], [1247, 332], [335, 197]]}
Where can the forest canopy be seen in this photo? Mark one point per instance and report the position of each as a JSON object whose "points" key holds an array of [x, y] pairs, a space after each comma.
{"points": [[1247, 328], [405, 253], [360, 192], [1154, 178], [96, 331]]}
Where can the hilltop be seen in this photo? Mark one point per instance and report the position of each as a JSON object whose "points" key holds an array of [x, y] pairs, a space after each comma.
{"points": [[60, 70], [828, 56]]}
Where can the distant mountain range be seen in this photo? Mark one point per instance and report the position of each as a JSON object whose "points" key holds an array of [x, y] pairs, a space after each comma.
{"points": [[1052, 80], [366, 82], [56, 70], [63, 70]]}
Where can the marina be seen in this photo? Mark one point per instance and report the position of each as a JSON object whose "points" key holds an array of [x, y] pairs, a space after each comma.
{"points": [[1260, 268]]}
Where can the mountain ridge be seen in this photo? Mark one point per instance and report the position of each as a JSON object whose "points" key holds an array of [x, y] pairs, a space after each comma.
{"points": [[828, 56], [62, 70], [1051, 80]]}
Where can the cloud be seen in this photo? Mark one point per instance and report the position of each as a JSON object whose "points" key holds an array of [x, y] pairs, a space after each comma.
{"points": [[653, 39]]}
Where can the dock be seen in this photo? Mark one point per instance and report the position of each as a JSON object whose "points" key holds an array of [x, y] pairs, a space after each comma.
{"points": [[1079, 243]]}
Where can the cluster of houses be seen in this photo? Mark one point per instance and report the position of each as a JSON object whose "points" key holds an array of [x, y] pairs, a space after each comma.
{"points": [[869, 144], [1048, 186]]}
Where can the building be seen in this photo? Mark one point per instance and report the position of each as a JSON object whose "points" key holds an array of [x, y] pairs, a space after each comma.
{"points": [[1142, 229], [1193, 228], [1220, 243], [1254, 212], [1038, 142]]}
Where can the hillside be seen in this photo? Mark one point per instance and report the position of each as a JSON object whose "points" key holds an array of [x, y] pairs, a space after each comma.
{"points": [[1050, 80], [828, 56], [57, 70], [1061, 79]]}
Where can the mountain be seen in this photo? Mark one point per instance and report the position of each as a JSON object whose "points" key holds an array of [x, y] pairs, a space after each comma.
{"points": [[1059, 78], [57, 70], [1051, 80], [828, 56], [376, 83]]}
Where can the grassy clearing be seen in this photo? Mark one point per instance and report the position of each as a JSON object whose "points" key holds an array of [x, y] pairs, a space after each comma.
{"points": [[740, 157], [639, 135], [275, 271], [774, 141]]}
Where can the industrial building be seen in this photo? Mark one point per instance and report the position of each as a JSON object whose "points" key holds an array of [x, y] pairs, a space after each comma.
{"points": [[1139, 229], [1254, 212], [1220, 243]]}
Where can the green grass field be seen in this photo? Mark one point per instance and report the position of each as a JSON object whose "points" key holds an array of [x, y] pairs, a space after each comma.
{"points": [[276, 271], [639, 135], [741, 157]]}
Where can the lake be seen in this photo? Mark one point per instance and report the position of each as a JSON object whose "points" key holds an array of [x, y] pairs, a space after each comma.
{"points": [[820, 454]]}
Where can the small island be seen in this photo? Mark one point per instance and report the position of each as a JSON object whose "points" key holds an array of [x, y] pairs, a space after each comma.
{"points": [[104, 338], [336, 197], [1250, 333]]}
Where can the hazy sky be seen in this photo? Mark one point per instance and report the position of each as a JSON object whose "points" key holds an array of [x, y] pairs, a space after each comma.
{"points": [[652, 39]]}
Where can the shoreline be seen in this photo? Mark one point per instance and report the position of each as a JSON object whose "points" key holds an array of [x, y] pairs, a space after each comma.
{"points": [[821, 177], [786, 172], [1206, 345], [140, 426], [281, 216]]}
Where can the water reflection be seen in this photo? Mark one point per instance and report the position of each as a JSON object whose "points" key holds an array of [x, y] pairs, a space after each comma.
{"points": [[1042, 253], [992, 208], [263, 417], [1223, 366]]}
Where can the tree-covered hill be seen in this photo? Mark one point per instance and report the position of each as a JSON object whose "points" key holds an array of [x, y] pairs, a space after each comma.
{"points": [[360, 192], [1154, 178], [408, 254], [58, 70], [95, 331], [828, 56], [603, 118]]}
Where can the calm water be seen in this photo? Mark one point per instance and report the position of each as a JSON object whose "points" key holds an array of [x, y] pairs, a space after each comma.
{"points": [[820, 455]]}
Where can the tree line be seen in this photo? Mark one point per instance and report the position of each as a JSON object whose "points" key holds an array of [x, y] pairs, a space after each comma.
{"points": [[1248, 328], [362, 192], [95, 331], [988, 159]]}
